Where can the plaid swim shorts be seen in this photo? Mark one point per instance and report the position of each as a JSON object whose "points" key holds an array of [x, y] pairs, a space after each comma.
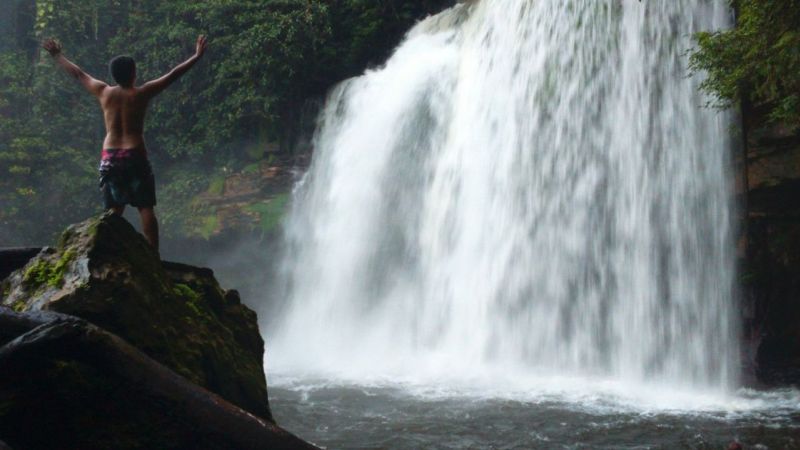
{"points": [[127, 178]]}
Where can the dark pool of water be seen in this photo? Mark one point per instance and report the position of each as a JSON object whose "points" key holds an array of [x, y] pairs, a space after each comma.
{"points": [[357, 417]]}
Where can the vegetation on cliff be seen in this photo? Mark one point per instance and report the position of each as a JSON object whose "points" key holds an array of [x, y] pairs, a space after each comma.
{"points": [[757, 61], [267, 59]]}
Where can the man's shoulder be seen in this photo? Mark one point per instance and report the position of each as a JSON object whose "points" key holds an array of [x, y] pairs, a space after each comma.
{"points": [[141, 92], [109, 90], [119, 92]]}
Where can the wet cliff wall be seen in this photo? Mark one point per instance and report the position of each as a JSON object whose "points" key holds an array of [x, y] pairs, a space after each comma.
{"points": [[770, 275]]}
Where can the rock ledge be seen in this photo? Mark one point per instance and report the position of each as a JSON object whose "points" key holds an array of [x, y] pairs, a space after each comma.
{"points": [[103, 272]]}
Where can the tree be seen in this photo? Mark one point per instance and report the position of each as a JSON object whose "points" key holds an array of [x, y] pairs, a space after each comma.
{"points": [[267, 59], [758, 61]]}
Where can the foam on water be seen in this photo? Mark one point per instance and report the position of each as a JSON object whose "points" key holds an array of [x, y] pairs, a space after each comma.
{"points": [[591, 395], [529, 199]]}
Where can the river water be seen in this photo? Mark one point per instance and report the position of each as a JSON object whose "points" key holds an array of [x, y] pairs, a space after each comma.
{"points": [[392, 415], [518, 233]]}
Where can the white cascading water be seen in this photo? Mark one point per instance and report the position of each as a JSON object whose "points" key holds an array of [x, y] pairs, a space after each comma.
{"points": [[527, 186]]}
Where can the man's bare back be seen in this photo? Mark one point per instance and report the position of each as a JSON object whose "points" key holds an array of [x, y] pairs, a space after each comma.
{"points": [[123, 112], [126, 177]]}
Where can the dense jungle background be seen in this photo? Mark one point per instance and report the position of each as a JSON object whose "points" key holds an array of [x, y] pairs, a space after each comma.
{"points": [[246, 112]]}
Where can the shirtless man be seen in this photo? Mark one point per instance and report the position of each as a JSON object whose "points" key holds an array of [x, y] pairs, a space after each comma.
{"points": [[125, 173]]}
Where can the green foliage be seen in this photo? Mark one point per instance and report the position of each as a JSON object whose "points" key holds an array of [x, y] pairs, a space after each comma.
{"points": [[251, 169], [177, 188], [208, 225], [38, 169], [270, 213], [758, 61], [217, 185], [266, 58]]}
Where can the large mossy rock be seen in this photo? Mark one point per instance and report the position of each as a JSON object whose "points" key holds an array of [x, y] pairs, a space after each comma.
{"points": [[105, 272], [68, 384]]}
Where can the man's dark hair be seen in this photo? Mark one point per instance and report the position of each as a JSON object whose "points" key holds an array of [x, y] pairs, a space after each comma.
{"points": [[123, 70]]}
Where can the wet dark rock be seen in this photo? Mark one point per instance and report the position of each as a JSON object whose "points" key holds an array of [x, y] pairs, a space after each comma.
{"points": [[103, 271], [66, 383], [771, 257]]}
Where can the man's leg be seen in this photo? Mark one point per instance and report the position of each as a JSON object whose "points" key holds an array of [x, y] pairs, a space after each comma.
{"points": [[149, 226]]}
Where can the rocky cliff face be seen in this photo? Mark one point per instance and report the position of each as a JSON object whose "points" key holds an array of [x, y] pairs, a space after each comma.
{"points": [[111, 337], [771, 266]]}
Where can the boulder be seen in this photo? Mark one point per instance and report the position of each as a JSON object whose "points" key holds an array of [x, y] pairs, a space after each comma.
{"points": [[67, 383], [103, 271]]}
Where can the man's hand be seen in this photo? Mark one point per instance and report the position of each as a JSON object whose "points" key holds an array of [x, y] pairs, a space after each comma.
{"points": [[200, 47], [154, 87], [52, 46]]}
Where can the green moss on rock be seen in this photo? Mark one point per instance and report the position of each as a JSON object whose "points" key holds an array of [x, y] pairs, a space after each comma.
{"points": [[270, 213], [106, 273], [185, 292], [194, 301], [44, 272], [38, 273]]}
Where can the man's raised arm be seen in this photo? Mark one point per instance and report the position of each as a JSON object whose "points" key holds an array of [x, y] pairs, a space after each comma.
{"points": [[154, 87], [90, 84]]}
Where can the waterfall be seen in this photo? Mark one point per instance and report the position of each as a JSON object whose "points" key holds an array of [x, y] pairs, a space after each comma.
{"points": [[526, 186]]}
